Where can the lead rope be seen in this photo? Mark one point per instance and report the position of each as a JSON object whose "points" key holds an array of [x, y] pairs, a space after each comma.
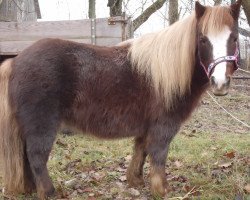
{"points": [[248, 72], [231, 115]]}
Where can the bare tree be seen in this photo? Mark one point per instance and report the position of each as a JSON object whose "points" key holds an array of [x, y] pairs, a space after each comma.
{"points": [[92, 9], [17, 10], [115, 7], [217, 2], [246, 7], [173, 11], [147, 13]]}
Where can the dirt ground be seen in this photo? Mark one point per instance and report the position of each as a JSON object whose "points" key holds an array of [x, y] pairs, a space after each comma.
{"points": [[209, 117], [209, 159]]}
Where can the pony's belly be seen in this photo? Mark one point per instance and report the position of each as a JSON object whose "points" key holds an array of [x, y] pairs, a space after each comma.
{"points": [[109, 124], [114, 128]]}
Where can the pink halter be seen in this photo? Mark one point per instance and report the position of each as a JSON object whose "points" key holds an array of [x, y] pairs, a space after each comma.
{"points": [[234, 58]]}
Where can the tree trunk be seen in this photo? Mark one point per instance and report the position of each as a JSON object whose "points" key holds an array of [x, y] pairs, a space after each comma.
{"points": [[92, 9], [173, 11], [147, 13], [217, 2], [115, 7], [246, 7], [17, 10]]}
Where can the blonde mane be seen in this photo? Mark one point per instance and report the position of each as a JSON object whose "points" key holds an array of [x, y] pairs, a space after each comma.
{"points": [[167, 57]]}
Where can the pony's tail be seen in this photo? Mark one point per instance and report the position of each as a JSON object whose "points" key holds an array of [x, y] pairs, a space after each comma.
{"points": [[11, 144]]}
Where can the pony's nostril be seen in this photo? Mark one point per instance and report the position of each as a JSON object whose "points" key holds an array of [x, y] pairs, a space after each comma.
{"points": [[212, 79]]}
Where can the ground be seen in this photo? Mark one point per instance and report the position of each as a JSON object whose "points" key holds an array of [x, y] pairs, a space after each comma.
{"points": [[209, 158]]}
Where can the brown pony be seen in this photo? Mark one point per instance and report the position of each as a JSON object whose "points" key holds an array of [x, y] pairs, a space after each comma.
{"points": [[145, 88]]}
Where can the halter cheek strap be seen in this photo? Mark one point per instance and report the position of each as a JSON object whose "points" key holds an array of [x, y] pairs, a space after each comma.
{"points": [[234, 58]]}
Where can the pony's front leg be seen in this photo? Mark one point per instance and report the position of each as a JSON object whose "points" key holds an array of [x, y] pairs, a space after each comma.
{"points": [[158, 142], [135, 169]]}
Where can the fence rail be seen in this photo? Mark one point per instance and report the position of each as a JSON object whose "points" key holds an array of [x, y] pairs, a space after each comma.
{"points": [[14, 36]]}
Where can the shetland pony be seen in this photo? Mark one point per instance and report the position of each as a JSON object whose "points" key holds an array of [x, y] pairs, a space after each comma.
{"points": [[144, 89]]}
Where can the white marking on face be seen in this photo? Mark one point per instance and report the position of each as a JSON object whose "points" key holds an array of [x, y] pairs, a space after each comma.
{"points": [[219, 43]]}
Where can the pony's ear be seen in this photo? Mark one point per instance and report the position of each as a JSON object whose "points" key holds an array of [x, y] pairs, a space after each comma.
{"points": [[199, 9], [235, 9]]}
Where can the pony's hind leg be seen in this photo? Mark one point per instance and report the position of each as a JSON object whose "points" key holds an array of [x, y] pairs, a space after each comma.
{"points": [[158, 142], [135, 169], [38, 149], [29, 182], [39, 136]]}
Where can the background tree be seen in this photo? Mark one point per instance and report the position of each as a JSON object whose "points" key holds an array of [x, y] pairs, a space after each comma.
{"points": [[173, 11], [92, 9], [246, 7], [217, 2], [115, 7], [137, 22], [18, 10]]}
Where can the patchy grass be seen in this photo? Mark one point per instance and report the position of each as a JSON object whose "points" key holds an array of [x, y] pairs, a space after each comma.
{"points": [[202, 163]]}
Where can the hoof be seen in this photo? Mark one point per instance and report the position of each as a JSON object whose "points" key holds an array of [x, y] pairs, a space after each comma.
{"points": [[46, 195], [158, 186], [51, 192], [135, 181]]}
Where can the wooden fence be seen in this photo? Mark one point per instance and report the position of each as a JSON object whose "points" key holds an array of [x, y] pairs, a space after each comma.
{"points": [[14, 36]]}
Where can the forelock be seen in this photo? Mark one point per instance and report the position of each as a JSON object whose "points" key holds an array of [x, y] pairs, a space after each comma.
{"points": [[215, 19]]}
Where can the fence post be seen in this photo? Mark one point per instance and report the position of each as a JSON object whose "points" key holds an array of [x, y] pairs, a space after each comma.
{"points": [[247, 52]]}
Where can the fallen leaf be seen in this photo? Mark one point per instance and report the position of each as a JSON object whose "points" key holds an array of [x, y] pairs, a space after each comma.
{"points": [[98, 176], [134, 192], [72, 164], [71, 183], [91, 194], [88, 189], [247, 188], [122, 178], [128, 158], [61, 143], [226, 165], [186, 188], [178, 164], [215, 173], [119, 184], [119, 169], [91, 198], [181, 179], [230, 154], [73, 194], [80, 191]]}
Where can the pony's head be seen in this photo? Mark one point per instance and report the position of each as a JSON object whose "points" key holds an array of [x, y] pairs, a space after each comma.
{"points": [[218, 43]]}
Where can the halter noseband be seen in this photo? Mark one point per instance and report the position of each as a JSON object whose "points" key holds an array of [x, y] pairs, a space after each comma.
{"points": [[234, 58]]}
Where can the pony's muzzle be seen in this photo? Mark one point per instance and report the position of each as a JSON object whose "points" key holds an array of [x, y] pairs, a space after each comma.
{"points": [[220, 88]]}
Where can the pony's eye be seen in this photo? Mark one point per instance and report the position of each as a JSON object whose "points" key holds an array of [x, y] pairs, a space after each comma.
{"points": [[203, 40]]}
